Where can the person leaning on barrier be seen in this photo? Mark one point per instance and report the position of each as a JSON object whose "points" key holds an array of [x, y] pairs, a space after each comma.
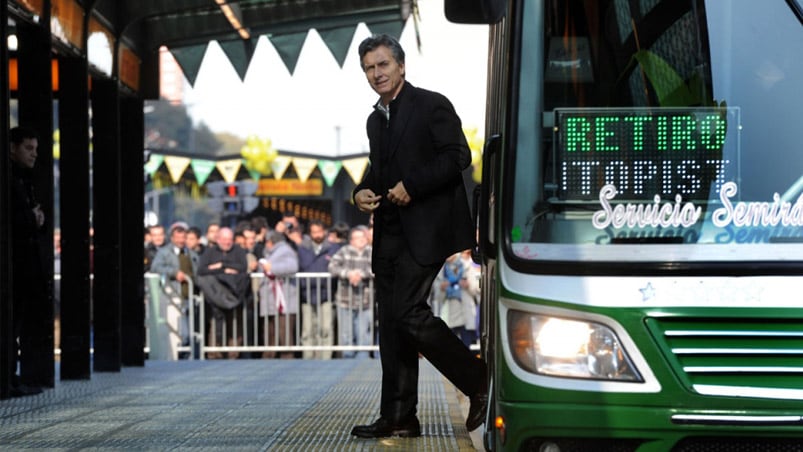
{"points": [[260, 225], [293, 231], [249, 245], [194, 240], [458, 302], [224, 280], [317, 326], [176, 264], [157, 235], [211, 234], [351, 265], [278, 300]]}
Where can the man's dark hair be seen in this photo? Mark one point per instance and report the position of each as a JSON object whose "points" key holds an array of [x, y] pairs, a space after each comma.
{"points": [[259, 222], [20, 133], [241, 226], [369, 44], [341, 230], [275, 237], [316, 223], [194, 230]]}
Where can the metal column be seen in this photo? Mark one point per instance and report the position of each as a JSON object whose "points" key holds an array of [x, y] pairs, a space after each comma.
{"points": [[132, 133], [107, 207], [36, 111], [75, 212]]}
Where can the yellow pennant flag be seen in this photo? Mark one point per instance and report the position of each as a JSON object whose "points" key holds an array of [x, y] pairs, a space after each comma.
{"points": [[229, 169], [176, 166], [304, 167], [356, 168], [279, 165]]}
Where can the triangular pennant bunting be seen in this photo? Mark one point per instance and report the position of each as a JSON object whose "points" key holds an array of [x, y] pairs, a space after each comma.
{"points": [[356, 168], [202, 169], [279, 165], [255, 174], [229, 169], [190, 58], [154, 162], [289, 48], [338, 40], [393, 28], [239, 53], [176, 166], [304, 167], [329, 170]]}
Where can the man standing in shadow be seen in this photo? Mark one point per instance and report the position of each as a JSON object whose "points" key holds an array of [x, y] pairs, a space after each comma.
{"points": [[30, 285]]}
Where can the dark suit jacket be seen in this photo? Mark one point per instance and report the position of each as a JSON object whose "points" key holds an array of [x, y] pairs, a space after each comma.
{"points": [[430, 148]]}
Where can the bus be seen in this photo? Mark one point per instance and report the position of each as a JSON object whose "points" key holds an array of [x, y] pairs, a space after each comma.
{"points": [[640, 222]]}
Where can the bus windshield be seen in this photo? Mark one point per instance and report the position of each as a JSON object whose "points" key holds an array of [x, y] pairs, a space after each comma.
{"points": [[654, 131]]}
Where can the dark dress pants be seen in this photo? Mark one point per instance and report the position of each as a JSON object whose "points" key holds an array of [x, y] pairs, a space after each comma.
{"points": [[407, 327]]}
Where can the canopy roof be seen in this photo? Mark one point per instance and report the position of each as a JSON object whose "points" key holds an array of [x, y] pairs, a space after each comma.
{"points": [[187, 26]]}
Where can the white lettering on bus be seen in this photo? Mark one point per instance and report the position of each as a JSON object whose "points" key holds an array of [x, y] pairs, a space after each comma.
{"points": [[641, 215], [743, 214]]}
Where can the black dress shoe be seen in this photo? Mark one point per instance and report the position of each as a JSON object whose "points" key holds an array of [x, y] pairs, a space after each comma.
{"points": [[21, 390], [476, 411], [384, 428]]}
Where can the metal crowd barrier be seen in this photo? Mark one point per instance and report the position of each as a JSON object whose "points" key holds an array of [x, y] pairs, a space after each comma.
{"points": [[178, 328], [302, 328]]}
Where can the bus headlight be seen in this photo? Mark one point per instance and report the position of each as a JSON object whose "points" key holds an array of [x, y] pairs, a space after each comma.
{"points": [[563, 347]]}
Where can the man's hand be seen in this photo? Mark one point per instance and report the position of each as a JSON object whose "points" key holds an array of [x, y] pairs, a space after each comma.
{"points": [[295, 236], [367, 201], [265, 264], [215, 266], [181, 276], [355, 277], [398, 195], [39, 215]]}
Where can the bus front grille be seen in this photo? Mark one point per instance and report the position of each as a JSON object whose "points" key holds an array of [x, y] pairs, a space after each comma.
{"points": [[756, 357]]}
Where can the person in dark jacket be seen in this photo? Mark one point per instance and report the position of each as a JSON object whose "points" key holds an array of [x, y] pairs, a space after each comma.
{"points": [[414, 187], [224, 280], [317, 326], [29, 295]]}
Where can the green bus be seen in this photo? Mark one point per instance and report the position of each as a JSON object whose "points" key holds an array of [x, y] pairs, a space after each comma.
{"points": [[640, 224]]}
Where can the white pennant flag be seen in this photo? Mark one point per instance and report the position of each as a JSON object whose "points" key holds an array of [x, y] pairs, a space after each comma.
{"points": [[176, 166], [304, 167], [356, 168], [279, 165]]}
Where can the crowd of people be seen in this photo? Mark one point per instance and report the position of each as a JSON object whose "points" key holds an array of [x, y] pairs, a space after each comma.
{"points": [[336, 310]]}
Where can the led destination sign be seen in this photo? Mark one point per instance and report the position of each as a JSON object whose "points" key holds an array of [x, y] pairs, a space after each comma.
{"points": [[644, 152]]}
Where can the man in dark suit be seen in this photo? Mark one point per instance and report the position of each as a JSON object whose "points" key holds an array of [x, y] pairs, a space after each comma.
{"points": [[415, 190]]}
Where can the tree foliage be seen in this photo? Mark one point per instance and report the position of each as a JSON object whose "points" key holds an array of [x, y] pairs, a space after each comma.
{"points": [[169, 126]]}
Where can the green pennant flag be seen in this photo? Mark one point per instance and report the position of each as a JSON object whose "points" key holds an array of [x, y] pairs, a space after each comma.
{"points": [[153, 164], [393, 28], [255, 174], [202, 169], [189, 59], [338, 40], [239, 53], [329, 170], [288, 46]]}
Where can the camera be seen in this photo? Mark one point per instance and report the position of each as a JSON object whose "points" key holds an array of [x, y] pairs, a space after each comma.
{"points": [[288, 225]]}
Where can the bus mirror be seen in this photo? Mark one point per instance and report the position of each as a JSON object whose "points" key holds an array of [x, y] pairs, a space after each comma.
{"points": [[475, 11]]}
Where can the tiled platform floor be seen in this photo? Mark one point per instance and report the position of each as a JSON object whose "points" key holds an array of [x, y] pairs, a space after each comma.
{"points": [[228, 405]]}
